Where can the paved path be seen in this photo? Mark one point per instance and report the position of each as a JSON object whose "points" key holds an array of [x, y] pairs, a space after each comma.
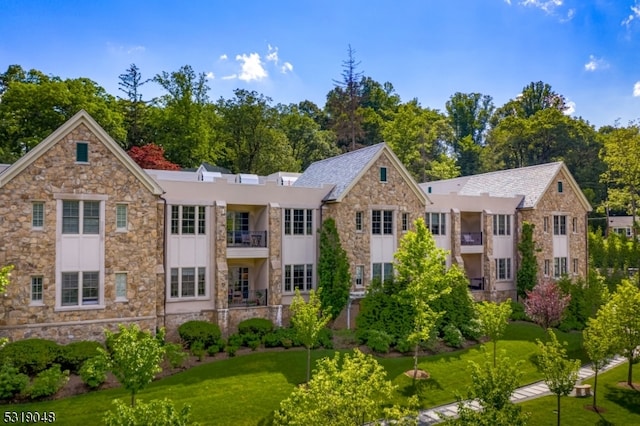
{"points": [[534, 390]]}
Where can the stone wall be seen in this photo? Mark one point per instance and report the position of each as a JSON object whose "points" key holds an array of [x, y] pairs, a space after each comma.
{"points": [[554, 203], [371, 194], [33, 253]]}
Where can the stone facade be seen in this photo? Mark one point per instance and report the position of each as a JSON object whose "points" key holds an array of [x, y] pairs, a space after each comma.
{"points": [[33, 252], [564, 203], [369, 194]]}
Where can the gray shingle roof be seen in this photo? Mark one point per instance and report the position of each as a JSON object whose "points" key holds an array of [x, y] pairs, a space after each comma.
{"points": [[340, 171], [529, 181]]}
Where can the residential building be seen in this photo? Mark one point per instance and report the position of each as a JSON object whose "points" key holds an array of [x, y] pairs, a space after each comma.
{"points": [[479, 219], [97, 241]]}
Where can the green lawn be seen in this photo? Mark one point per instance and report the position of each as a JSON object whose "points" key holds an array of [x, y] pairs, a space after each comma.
{"points": [[622, 406], [246, 389]]}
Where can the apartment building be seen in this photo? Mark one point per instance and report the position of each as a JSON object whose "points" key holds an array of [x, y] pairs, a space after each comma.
{"points": [[97, 241]]}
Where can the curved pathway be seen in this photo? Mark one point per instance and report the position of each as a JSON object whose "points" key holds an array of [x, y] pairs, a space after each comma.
{"points": [[534, 390]]}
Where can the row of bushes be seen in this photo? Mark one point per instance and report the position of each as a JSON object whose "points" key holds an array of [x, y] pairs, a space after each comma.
{"points": [[32, 356], [202, 337], [46, 383]]}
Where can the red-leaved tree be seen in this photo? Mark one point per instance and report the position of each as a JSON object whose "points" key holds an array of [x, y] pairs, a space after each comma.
{"points": [[151, 156], [545, 304]]}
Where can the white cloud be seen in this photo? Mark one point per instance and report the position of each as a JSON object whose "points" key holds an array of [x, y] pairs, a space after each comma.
{"points": [[210, 75], [595, 64], [252, 68], [508, 2], [635, 14], [570, 108], [636, 89], [230, 77], [286, 67], [223, 57], [272, 56], [547, 5]]}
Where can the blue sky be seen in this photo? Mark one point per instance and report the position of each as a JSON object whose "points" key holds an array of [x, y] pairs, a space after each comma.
{"points": [[587, 50]]}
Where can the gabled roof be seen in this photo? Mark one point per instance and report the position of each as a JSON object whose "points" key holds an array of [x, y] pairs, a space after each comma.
{"points": [[82, 117], [530, 182], [343, 171]]}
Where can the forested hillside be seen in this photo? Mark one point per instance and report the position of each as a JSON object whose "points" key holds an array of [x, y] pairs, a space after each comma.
{"points": [[249, 133]]}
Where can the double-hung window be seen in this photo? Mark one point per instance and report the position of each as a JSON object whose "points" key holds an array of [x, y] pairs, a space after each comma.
{"points": [[298, 277], [37, 290], [187, 282], [188, 220], [121, 217], [502, 224], [381, 271], [503, 269], [559, 225], [37, 215], [382, 222], [559, 266], [80, 215], [436, 223], [298, 221], [80, 288]]}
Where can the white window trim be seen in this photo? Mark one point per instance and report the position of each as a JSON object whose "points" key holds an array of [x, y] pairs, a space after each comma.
{"points": [[124, 228], [126, 286], [306, 267], [42, 203], [32, 302], [355, 277], [101, 250], [181, 298]]}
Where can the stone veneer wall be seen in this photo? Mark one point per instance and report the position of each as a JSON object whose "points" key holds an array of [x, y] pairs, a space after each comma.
{"points": [[371, 194], [34, 252], [552, 202]]}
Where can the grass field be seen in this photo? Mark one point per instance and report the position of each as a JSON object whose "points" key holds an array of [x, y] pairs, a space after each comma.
{"points": [[246, 389]]}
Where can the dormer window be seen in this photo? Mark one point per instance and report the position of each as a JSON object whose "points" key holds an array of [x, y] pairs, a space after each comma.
{"points": [[560, 186], [82, 152], [383, 174]]}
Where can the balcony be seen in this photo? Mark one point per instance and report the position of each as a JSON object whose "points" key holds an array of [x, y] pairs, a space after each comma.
{"points": [[471, 238], [471, 242], [476, 283], [247, 239], [238, 299], [247, 245]]}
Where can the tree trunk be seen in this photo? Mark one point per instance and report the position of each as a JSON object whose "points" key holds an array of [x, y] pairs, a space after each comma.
{"points": [[558, 409], [308, 364], [415, 363], [630, 372], [595, 389], [495, 348]]}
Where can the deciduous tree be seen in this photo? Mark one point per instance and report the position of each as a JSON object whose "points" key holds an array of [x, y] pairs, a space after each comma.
{"points": [[620, 315], [493, 319], [422, 266], [348, 389], [154, 413], [492, 385], [134, 357], [560, 374], [622, 175], [598, 342], [308, 320], [334, 279], [545, 304], [5, 275], [151, 156]]}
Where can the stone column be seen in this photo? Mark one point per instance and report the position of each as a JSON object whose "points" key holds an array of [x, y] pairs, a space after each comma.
{"points": [[275, 255]]}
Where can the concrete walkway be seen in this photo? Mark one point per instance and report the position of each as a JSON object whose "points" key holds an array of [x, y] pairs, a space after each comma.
{"points": [[534, 390]]}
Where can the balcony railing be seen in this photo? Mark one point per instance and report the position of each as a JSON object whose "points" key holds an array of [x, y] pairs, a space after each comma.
{"points": [[248, 298], [476, 283], [246, 238], [471, 238]]}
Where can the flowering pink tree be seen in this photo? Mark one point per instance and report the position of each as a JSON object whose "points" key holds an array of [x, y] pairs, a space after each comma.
{"points": [[545, 304]]}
